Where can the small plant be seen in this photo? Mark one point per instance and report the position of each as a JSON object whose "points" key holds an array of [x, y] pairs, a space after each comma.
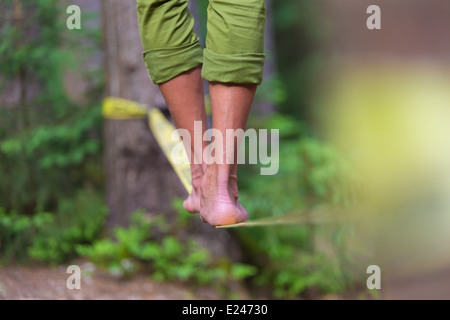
{"points": [[77, 221], [51, 237], [18, 231], [167, 258]]}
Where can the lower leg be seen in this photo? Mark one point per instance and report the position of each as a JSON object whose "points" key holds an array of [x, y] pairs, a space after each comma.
{"points": [[184, 96], [230, 109]]}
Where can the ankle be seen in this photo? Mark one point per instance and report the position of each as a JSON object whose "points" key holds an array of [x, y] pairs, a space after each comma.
{"points": [[233, 179], [223, 174]]}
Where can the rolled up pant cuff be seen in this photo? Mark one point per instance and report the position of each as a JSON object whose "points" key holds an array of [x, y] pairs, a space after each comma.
{"points": [[164, 64], [233, 68]]}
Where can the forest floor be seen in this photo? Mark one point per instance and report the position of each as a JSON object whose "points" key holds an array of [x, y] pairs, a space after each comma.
{"points": [[47, 283]]}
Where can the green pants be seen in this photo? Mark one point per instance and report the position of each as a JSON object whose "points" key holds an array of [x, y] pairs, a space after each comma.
{"points": [[234, 50]]}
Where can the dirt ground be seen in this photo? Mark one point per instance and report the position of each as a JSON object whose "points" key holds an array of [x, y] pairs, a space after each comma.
{"points": [[45, 283]]}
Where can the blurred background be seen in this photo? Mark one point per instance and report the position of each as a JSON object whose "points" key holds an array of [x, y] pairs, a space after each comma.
{"points": [[364, 159]]}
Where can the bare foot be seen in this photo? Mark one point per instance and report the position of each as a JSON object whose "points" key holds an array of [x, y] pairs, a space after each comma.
{"points": [[192, 202], [219, 205], [234, 191]]}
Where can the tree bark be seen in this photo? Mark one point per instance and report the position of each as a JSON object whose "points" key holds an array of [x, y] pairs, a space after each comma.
{"points": [[138, 175]]}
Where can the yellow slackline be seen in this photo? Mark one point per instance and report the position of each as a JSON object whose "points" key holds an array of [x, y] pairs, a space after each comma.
{"points": [[121, 109], [304, 217], [162, 131]]}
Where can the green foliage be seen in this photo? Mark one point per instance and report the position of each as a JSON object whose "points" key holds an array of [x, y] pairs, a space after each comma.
{"points": [[272, 90], [312, 176], [18, 231], [52, 237], [49, 146], [62, 145], [58, 155], [167, 257], [33, 50], [298, 30], [77, 221]]}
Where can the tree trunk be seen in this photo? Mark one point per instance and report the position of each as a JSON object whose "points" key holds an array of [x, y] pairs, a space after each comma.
{"points": [[138, 176]]}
